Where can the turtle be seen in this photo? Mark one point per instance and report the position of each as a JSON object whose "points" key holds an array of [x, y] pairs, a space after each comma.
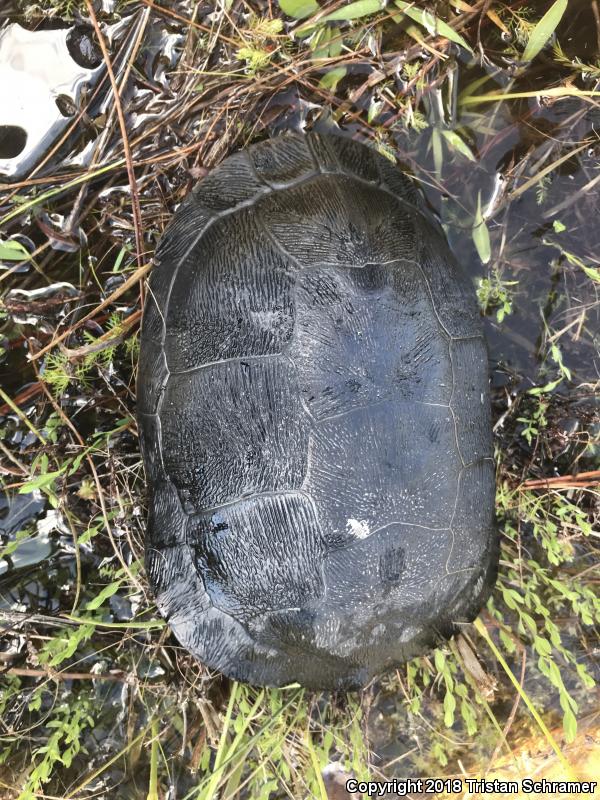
{"points": [[315, 421]]}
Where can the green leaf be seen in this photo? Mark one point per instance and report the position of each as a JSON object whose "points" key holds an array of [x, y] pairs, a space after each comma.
{"points": [[432, 24], [41, 481], [591, 272], [331, 79], [375, 107], [481, 235], [449, 708], [558, 226], [469, 718], [512, 598], [457, 143], [361, 8], [299, 9], [544, 389], [325, 43], [544, 29], [508, 643], [584, 676], [529, 621], [13, 251], [542, 646], [107, 592], [440, 660]]}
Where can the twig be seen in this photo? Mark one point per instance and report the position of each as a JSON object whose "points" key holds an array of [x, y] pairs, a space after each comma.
{"points": [[108, 339], [134, 278], [66, 676], [511, 716], [14, 618], [135, 200], [96, 478], [23, 417], [582, 480], [30, 391]]}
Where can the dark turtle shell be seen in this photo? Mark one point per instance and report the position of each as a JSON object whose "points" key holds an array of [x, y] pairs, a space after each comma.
{"points": [[315, 420]]}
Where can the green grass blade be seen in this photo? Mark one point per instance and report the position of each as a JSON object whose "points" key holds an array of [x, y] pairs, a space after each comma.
{"points": [[482, 630], [432, 24], [153, 784], [544, 29], [481, 235], [315, 764], [36, 201]]}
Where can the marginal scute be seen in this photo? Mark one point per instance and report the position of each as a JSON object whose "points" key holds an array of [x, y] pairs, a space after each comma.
{"points": [[230, 184], [151, 447], [152, 375], [451, 290], [473, 560], [324, 152], [167, 520], [356, 159], [186, 227], [470, 398], [279, 166], [474, 508], [218, 638], [213, 636], [157, 298], [399, 184]]}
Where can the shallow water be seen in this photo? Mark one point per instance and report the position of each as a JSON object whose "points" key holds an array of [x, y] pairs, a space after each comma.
{"points": [[43, 75]]}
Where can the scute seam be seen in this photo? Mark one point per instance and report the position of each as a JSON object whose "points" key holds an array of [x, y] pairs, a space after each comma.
{"points": [[253, 496]]}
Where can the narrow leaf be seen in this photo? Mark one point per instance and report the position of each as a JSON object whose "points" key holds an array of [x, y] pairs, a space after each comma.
{"points": [[432, 24], [482, 631], [356, 10], [299, 9], [107, 592], [591, 272], [457, 143], [481, 235], [438, 151], [544, 29], [554, 91], [548, 387]]}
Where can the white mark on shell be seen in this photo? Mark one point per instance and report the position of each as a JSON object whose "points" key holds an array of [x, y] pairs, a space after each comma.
{"points": [[358, 528]]}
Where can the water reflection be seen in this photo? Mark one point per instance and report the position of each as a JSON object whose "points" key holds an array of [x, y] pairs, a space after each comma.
{"points": [[41, 85]]}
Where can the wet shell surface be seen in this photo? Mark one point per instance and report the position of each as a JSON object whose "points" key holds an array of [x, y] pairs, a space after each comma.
{"points": [[315, 420]]}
